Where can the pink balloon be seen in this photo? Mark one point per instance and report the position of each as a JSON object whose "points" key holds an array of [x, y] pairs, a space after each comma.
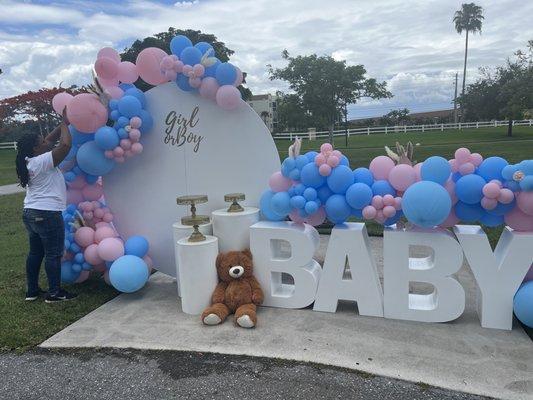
{"points": [[128, 153], [78, 183], [91, 254], [320, 159], [398, 203], [529, 275], [295, 217], [109, 249], [325, 147], [450, 188], [524, 201], [336, 153], [136, 148], [388, 200], [418, 171], [453, 165], [120, 160], [127, 72], [135, 135], [489, 204], [170, 75], [86, 113], [450, 221], [108, 217], [466, 168], [208, 88], [149, 263], [324, 170], [239, 78], [476, 159], [88, 215], [333, 161], [92, 192], [195, 82], [102, 224], [519, 221], [104, 233], [118, 151], [377, 202], [84, 236], [166, 63], [148, 65], [506, 196], [115, 92], [125, 144], [381, 167], [109, 53], [389, 211], [491, 190], [108, 83], [369, 212], [84, 275], [402, 176], [74, 196], [106, 68], [99, 213], [228, 97], [198, 70], [60, 101], [317, 218], [278, 183], [178, 66], [109, 154], [135, 122], [380, 217], [462, 155]]}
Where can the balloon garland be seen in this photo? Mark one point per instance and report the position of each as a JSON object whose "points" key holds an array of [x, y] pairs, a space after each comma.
{"points": [[107, 126]]}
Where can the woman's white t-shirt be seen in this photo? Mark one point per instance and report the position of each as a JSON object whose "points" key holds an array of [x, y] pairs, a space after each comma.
{"points": [[46, 189]]}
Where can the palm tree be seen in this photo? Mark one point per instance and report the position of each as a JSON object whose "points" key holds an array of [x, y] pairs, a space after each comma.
{"points": [[470, 19]]}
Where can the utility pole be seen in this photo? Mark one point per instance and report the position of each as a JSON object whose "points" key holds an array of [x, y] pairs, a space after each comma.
{"points": [[455, 118]]}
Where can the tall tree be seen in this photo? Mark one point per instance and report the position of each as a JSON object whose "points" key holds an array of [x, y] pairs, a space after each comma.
{"points": [[325, 86], [162, 41], [469, 19]]}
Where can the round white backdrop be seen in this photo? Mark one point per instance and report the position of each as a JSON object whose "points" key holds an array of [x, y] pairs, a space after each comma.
{"points": [[194, 147]]}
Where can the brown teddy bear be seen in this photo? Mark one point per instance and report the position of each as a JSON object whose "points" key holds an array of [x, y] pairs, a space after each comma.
{"points": [[237, 292]]}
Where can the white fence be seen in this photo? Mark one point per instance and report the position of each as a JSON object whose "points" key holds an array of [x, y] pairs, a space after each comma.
{"points": [[401, 129], [8, 145]]}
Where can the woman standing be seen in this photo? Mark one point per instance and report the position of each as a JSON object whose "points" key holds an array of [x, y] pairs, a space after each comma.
{"points": [[37, 169]]}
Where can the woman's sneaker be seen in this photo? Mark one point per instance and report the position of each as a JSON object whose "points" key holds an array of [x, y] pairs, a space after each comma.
{"points": [[34, 296], [60, 296]]}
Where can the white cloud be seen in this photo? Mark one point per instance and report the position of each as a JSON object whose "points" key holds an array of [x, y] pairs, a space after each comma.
{"points": [[413, 46]]}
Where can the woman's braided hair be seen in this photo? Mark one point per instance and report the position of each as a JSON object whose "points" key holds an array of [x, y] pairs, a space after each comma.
{"points": [[25, 147]]}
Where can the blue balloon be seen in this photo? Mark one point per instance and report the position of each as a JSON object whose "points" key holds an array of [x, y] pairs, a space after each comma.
{"points": [[72, 153], [468, 212], [183, 83], [469, 189], [357, 213], [311, 207], [69, 176], [226, 74], [436, 169], [299, 188], [91, 159], [86, 266], [138, 94], [79, 138], [128, 274], [344, 161], [113, 104], [297, 201], [204, 47], [66, 244], [359, 195], [502, 209], [526, 184], [301, 161], [266, 209], [126, 86], [392, 220], [340, 179], [106, 137], [191, 55], [71, 208], [456, 176], [114, 115], [179, 43], [79, 259], [337, 209], [74, 247], [76, 267], [136, 246], [123, 121], [491, 220], [147, 122], [122, 133], [522, 304], [129, 106], [91, 179], [294, 174], [491, 168], [363, 175], [324, 192], [281, 203], [382, 187], [68, 275], [212, 70], [526, 167], [311, 177], [508, 171], [426, 204], [310, 194], [311, 155]]}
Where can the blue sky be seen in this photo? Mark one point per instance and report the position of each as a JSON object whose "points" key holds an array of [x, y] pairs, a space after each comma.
{"points": [[411, 44]]}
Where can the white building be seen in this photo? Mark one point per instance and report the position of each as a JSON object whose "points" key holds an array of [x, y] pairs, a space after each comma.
{"points": [[265, 106]]}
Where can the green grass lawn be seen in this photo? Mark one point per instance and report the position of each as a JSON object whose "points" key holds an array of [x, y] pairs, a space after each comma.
{"points": [[7, 167], [26, 324]]}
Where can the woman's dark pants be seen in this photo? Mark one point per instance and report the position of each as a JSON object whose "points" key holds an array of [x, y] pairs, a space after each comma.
{"points": [[46, 232]]}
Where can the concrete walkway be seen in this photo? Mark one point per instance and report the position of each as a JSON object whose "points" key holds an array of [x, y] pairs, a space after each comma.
{"points": [[459, 355], [11, 189]]}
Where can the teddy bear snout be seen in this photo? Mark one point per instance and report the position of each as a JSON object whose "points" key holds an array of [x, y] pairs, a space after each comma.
{"points": [[236, 271]]}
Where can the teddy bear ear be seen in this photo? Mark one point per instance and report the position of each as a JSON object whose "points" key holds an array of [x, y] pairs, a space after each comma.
{"points": [[247, 253], [220, 257]]}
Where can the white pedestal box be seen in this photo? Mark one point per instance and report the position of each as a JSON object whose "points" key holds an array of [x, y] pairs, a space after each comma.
{"points": [[233, 228], [197, 273], [181, 231]]}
